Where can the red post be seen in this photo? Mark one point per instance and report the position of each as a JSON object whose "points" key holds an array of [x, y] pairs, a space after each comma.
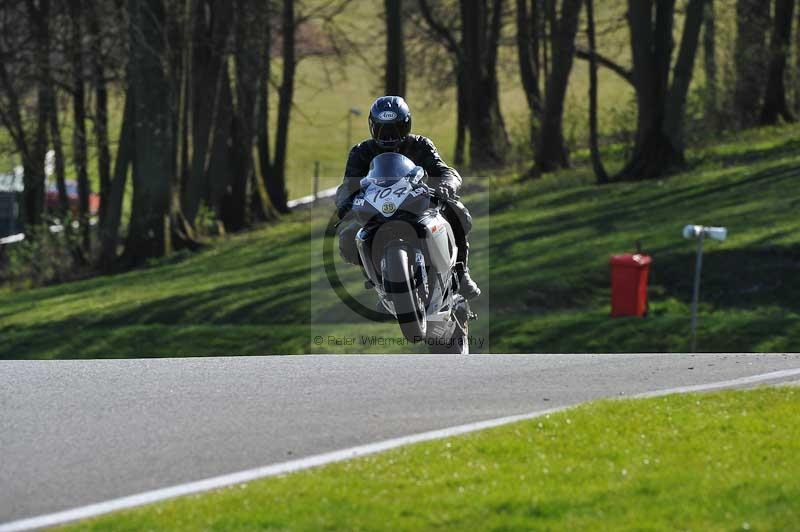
{"points": [[629, 284]]}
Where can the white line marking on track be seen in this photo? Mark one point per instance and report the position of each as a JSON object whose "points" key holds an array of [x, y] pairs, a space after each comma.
{"points": [[148, 497]]}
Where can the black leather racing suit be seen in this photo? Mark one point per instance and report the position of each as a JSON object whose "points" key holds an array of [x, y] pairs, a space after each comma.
{"points": [[423, 153]]}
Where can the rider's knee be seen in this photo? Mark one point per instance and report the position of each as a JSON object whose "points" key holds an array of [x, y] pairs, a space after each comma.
{"points": [[460, 218], [347, 243]]}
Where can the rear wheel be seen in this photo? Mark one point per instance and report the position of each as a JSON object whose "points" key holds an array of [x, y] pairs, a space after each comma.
{"points": [[400, 285]]}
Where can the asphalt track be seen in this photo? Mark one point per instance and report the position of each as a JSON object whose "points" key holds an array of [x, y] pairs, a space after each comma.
{"points": [[74, 433]]}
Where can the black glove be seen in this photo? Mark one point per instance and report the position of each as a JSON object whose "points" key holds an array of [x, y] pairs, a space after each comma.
{"points": [[446, 191]]}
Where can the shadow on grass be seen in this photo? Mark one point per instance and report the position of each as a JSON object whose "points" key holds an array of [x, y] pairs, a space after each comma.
{"points": [[252, 302], [549, 289], [694, 199], [599, 333], [741, 278], [747, 156], [92, 340]]}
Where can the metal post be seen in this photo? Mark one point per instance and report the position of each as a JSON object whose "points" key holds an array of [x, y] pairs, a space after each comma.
{"points": [[316, 181], [696, 296]]}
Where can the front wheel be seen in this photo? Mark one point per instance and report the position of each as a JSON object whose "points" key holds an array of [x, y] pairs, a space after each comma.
{"points": [[400, 284]]}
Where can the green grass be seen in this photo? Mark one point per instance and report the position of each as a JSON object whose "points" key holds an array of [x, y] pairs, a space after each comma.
{"points": [[563, 229], [722, 461], [540, 251]]}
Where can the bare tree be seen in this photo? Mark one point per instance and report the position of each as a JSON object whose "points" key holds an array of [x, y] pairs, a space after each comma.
{"points": [[109, 225], [481, 22], [395, 48], [551, 149], [152, 162], [752, 22], [79, 145], [597, 163], [210, 107], [775, 102], [797, 65], [660, 104], [710, 63], [445, 36], [101, 105], [262, 108], [247, 61], [528, 54], [32, 147], [277, 180]]}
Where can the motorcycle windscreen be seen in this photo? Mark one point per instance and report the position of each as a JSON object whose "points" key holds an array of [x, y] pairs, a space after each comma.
{"points": [[390, 167]]}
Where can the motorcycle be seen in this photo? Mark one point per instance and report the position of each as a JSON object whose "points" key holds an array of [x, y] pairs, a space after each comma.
{"points": [[408, 254]]}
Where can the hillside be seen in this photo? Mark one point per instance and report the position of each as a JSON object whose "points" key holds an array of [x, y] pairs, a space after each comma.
{"points": [[541, 252]]}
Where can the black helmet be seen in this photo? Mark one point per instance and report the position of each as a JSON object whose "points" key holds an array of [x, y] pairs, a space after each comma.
{"points": [[389, 121]]}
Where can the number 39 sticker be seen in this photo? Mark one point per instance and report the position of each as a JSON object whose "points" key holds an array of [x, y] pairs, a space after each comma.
{"points": [[388, 207]]}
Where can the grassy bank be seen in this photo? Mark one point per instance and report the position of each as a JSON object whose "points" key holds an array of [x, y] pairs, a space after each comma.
{"points": [[541, 252], [723, 461]]}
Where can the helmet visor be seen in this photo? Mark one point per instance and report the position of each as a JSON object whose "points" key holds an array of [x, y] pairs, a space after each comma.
{"points": [[389, 135]]}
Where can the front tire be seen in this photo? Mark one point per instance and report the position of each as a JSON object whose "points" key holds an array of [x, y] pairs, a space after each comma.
{"points": [[399, 282]]}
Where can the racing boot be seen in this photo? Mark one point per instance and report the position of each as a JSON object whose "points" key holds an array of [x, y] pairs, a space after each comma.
{"points": [[468, 288]]}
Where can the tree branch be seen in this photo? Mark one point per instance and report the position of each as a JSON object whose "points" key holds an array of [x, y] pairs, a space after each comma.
{"points": [[621, 71], [445, 36]]}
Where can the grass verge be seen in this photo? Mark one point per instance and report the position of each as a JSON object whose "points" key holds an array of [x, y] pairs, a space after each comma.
{"points": [[540, 252], [721, 461]]}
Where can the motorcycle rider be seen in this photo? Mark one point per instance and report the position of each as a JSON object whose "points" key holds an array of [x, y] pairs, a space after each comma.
{"points": [[390, 126]]}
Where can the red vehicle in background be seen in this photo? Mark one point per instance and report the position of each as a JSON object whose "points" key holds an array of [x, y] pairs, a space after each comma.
{"points": [[53, 204]]}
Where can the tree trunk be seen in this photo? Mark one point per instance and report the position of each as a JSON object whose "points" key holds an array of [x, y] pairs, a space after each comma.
{"points": [[461, 125], [247, 66], [797, 65], [651, 42], [178, 22], [220, 154], [682, 76], [11, 117], [262, 116], [775, 102], [488, 140], [551, 152], [101, 109], [660, 107], [752, 21], [208, 74], [109, 226], [395, 49], [710, 65], [79, 155], [33, 164], [597, 163], [153, 160], [528, 55], [548, 28], [276, 185]]}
